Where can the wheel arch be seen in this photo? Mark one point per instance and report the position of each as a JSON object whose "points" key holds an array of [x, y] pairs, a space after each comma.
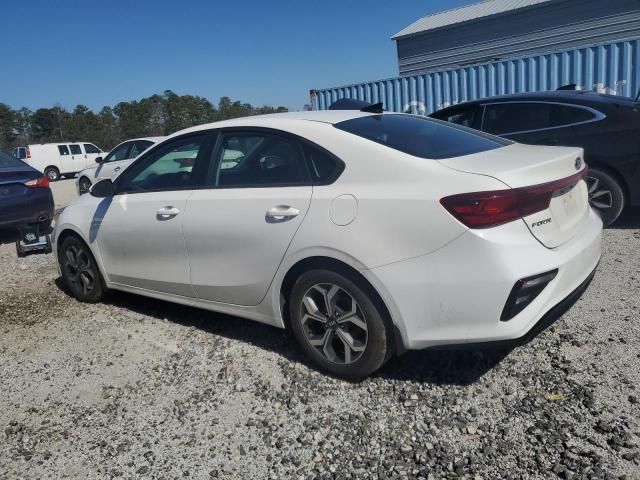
{"points": [[67, 231], [329, 263]]}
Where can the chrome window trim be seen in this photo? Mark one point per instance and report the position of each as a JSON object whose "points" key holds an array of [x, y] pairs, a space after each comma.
{"points": [[598, 116]]}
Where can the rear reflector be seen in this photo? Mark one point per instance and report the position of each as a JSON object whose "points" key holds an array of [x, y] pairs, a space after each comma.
{"points": [[42, 182], [492, 208], [524, 292]]}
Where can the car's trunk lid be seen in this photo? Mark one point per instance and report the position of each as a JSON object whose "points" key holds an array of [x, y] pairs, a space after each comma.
{"points": [[524, 166]]}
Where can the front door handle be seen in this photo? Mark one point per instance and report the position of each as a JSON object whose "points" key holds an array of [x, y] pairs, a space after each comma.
{"points": [[117, 169], [167, 213], [281, 213]]}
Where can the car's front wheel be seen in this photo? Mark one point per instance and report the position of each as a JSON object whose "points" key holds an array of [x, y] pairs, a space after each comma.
{"points": [[84, 184], [80, 271], [338, 325], [605, 195]]}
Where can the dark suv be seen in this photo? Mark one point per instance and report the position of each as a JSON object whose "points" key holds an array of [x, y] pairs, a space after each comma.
{"points": [[606, 126]]}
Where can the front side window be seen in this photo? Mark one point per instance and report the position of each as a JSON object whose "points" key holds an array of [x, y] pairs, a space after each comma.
{"points": [[167, 168], [90, 148], [121, 152], [75, 149], [63, 150], [419, 136], [459, 117], [258, 159]]}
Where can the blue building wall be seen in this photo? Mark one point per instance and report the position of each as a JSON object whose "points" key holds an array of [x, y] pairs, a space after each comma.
{"points": [[607, 67]]}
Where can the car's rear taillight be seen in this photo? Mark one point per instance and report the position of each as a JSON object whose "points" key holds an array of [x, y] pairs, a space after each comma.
{"points": [[492, 208], [28, 152], [42, 182]]}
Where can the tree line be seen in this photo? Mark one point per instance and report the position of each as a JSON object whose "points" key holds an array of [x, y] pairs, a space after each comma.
{"points": [[156, 115]]}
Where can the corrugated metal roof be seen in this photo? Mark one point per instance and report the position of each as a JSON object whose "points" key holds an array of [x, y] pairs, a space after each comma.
{"points": [[465, 14]]}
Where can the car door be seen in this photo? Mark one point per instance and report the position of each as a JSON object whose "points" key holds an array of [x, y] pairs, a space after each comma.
{"points": [[78, 160], [65, 163], [114, 162], [140, 237], [239, 228]]}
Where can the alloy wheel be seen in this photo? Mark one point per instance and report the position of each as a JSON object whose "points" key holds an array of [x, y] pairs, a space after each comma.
{"points": [[79, 269], [600, 195], [333, 323], [84, 185]]}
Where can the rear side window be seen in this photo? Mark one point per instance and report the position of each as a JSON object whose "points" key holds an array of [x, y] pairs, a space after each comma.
{"points": [[325, 168], [90, 148], [75, 149], [569, 115], [421, 137], [506, 118], [63, 150]]}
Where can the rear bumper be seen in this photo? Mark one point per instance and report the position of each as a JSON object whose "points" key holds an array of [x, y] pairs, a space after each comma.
{"points": [[456, 295], [36, 207]]}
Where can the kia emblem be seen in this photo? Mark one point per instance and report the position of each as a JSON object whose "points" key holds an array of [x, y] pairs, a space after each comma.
{"points": [[578, 163]]}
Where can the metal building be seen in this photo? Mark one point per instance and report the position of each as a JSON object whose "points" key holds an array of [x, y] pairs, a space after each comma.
{"points": [[499, 47]]}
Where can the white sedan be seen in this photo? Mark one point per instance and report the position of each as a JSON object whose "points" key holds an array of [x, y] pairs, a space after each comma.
{"points": [[365, 233], [114, 162]]}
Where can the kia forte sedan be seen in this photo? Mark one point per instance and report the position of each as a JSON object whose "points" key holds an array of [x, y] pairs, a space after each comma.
{"points": [[365, 233]]}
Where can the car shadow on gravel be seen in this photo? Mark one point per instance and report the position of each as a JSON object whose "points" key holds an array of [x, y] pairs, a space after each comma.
{"points": [[630, 219], [450, 367], [8, 236]]}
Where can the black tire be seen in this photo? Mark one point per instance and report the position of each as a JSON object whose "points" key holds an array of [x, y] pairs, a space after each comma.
{"points": [[377, 344], [80, 271], [52, 173], [19, 251], [84, 184], [606, 196]]}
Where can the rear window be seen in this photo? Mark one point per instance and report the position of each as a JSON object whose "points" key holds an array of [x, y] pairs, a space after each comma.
{"points": [[7, 161], [421, 137]]}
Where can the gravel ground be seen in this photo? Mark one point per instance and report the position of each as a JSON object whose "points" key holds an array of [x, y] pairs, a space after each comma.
{"points": [[138, 388]]}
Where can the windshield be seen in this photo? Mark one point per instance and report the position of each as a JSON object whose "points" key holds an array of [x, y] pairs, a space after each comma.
{"points": [[421, 137]]}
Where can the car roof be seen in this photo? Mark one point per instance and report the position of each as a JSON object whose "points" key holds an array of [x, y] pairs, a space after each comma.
{"points": [[563, 96], [275, 120]]}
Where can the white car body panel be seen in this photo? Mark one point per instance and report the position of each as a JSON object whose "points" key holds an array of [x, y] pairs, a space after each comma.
{"points": [[441, 282]]}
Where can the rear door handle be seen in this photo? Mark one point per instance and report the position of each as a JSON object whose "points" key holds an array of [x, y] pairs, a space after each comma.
{"points": [[281, 213], [167, 213], [117, 169]]}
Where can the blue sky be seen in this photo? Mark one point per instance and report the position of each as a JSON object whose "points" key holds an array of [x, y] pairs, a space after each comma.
{"points": [[262, 52]]}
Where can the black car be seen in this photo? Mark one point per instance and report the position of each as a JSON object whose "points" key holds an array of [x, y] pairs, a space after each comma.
{"points": [[606, 126], [26, 204]]}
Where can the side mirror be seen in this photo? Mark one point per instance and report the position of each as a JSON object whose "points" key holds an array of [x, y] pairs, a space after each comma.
{"points": [[102, 189], [99, 160]]}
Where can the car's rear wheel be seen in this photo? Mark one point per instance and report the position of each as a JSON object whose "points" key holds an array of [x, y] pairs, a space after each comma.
{"points": [[84, 184], [80, 271], [52, 173], [605, 195], [338, 325]]}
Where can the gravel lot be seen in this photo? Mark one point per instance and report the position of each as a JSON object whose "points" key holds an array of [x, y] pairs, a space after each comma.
{"points": [[138, 388]]}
